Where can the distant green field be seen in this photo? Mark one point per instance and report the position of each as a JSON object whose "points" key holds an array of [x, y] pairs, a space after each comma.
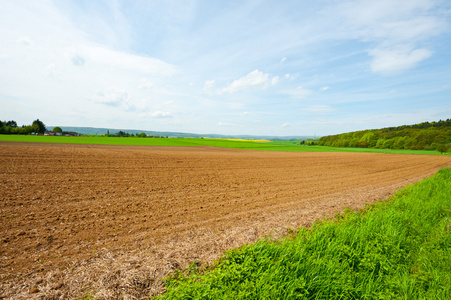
{"points": [[224, 143]]}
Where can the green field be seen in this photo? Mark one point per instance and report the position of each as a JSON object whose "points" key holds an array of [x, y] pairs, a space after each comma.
{"points": [[399, 249], [224, 143]]}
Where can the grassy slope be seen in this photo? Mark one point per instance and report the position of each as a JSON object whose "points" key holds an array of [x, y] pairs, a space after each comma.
{"points": [[398, 249], [250, 145]]}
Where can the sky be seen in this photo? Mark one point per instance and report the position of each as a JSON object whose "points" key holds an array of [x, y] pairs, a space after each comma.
{"points": [[305, 68]]}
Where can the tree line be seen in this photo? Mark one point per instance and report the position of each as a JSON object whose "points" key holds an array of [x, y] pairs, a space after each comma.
{"points": [[38, 127], [126, 134], [10, 127], [422, 136]]}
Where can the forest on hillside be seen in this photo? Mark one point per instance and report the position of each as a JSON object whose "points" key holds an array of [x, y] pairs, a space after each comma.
{"points": [[422, 136]]}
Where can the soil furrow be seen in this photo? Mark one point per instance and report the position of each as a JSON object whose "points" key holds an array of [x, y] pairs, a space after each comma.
{"points": [[72, 215]]}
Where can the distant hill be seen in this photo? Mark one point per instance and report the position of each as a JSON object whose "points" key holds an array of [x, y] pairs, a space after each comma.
{"points": [[426, 135], [103, 131]]}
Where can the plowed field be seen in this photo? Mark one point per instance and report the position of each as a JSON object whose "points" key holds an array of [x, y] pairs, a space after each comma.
{"points": [[115, 218]]}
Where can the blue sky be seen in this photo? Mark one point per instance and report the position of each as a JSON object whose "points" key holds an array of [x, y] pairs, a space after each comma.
{"points": [[229, 67]]}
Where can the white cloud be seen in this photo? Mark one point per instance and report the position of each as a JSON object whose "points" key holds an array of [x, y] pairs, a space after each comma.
{"points": [[290, 76], [121, 61], [161, 114], [285, 125], [49, 59], [51, 70], [283, 60], [145, 84], [319, 109], [155, 115], [395, 29], [209, 87], [25, 40], [298, 93], [123, 100], [324, 88], [255, 78], [78, 60], [388, 61], [112, 97], [391, 21]]}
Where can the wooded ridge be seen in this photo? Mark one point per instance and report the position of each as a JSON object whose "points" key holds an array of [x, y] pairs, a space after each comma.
{"points": [[422, 136]]}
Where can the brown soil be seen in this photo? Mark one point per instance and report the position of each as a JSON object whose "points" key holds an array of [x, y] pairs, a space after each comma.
{"points": [[112, 220]]}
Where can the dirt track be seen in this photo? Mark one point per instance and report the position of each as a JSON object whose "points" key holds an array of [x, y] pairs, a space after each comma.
{"points": [[148, 210]]}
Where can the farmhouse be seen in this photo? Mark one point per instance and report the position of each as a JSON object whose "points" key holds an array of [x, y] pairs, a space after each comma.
{"points": [[63, 133]]}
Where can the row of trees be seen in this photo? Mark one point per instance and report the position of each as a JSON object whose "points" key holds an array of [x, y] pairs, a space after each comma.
{"points": [[126, 134], [308, 143], [10, 127], [423, 136], [38, 127]]}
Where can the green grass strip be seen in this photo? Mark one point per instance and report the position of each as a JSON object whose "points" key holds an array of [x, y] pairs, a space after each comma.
{"points": [[398, 249], [291, 146]]}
